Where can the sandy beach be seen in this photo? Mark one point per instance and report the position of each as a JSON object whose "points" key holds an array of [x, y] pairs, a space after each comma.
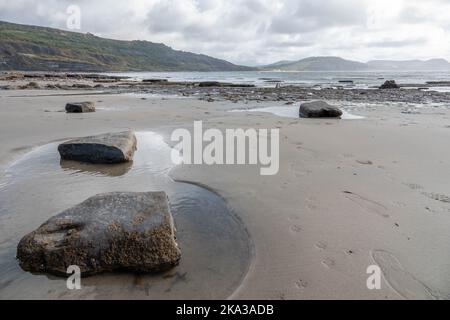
{"points": [[349, 194]]}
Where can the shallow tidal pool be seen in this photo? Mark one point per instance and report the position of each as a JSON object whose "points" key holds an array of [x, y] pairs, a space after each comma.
{"points": [[216, 249]]}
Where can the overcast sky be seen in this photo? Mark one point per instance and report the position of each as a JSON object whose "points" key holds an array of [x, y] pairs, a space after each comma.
{"points": [[260, 31]]}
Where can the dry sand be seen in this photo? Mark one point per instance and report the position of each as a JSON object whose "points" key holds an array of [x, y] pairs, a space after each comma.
{"points": [[349, 194]]}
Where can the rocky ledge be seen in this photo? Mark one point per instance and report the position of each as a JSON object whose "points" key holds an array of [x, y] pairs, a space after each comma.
{"points": [[108, 232]]}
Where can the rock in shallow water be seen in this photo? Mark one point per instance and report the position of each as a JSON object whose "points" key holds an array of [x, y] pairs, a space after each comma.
{"points": [[319, 109], [80, 107], [390, 84], [104, 148], [108, 232]]}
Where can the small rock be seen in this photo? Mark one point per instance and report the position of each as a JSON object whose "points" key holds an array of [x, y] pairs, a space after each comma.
{"points": [[319, 109], [108, 232], [209, 84], [80, 107], [31, 85], [81, 86], [365, 162], [105, 148], [155, 80]]}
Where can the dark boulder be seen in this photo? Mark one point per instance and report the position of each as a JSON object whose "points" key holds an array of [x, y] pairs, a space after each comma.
{"points": [[319, 109], [104, 148], [390, 84], [80, 107], [108, 232]]}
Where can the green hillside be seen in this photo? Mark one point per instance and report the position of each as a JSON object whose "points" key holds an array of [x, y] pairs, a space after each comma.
{"points": [[33, 48]]}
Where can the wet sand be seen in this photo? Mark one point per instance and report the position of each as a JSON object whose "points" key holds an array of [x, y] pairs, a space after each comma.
{"points": [[349, 194]]}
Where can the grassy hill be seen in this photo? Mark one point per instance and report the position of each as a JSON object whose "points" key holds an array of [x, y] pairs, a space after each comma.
{"points": [[339, 64], [31, 48]]}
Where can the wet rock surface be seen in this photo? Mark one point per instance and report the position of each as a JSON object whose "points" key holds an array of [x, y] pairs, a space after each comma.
{"points": [[319, 109], [108, 232], [80, 107], [104, 148], [413, 93]]}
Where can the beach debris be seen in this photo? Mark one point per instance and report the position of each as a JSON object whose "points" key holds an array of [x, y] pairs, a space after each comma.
{"points": [[365, 162], [80, 107], [390, 84], [105, 148], [319, 109], [107, 232]]}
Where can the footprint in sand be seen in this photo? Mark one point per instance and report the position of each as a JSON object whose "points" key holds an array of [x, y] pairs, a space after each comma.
{"points": [[284, 186], [348, 155], [400, 204], [400, 280], [321, 246], [296, 228], [413, 186], [367, 204], [329, 263], [437, 197], [301, 284], [311, 207]]}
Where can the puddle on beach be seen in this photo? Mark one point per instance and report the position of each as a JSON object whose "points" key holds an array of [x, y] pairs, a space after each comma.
{"points": [[215, 246], [292, 112]]}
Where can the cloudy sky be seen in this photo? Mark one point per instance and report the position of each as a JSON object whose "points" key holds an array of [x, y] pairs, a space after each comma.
{"points": [[260, 31]]}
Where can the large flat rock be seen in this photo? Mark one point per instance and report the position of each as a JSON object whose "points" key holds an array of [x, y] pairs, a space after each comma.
{"points": [[319, 109], [104, 148], [80, 107], [108, 232]]}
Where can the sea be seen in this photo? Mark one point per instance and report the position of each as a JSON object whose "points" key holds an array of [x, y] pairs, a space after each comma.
{"points": [[319, 79]]}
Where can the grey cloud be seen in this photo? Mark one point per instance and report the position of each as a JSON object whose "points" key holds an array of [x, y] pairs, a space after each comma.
{"points": [[397, 43], [313, 15], [259, 31]]}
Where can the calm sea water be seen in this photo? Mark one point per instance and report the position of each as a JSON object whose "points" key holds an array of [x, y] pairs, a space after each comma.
{"points": [[323, 79]]}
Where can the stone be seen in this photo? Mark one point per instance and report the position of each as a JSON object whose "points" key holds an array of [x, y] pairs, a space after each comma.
{"points": [[155, 80], [105, 148], [81, 86], [209, 84], [80, 107], [31, 85], [319, 109], [346, 81], [108, 232], [390, 84]]}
